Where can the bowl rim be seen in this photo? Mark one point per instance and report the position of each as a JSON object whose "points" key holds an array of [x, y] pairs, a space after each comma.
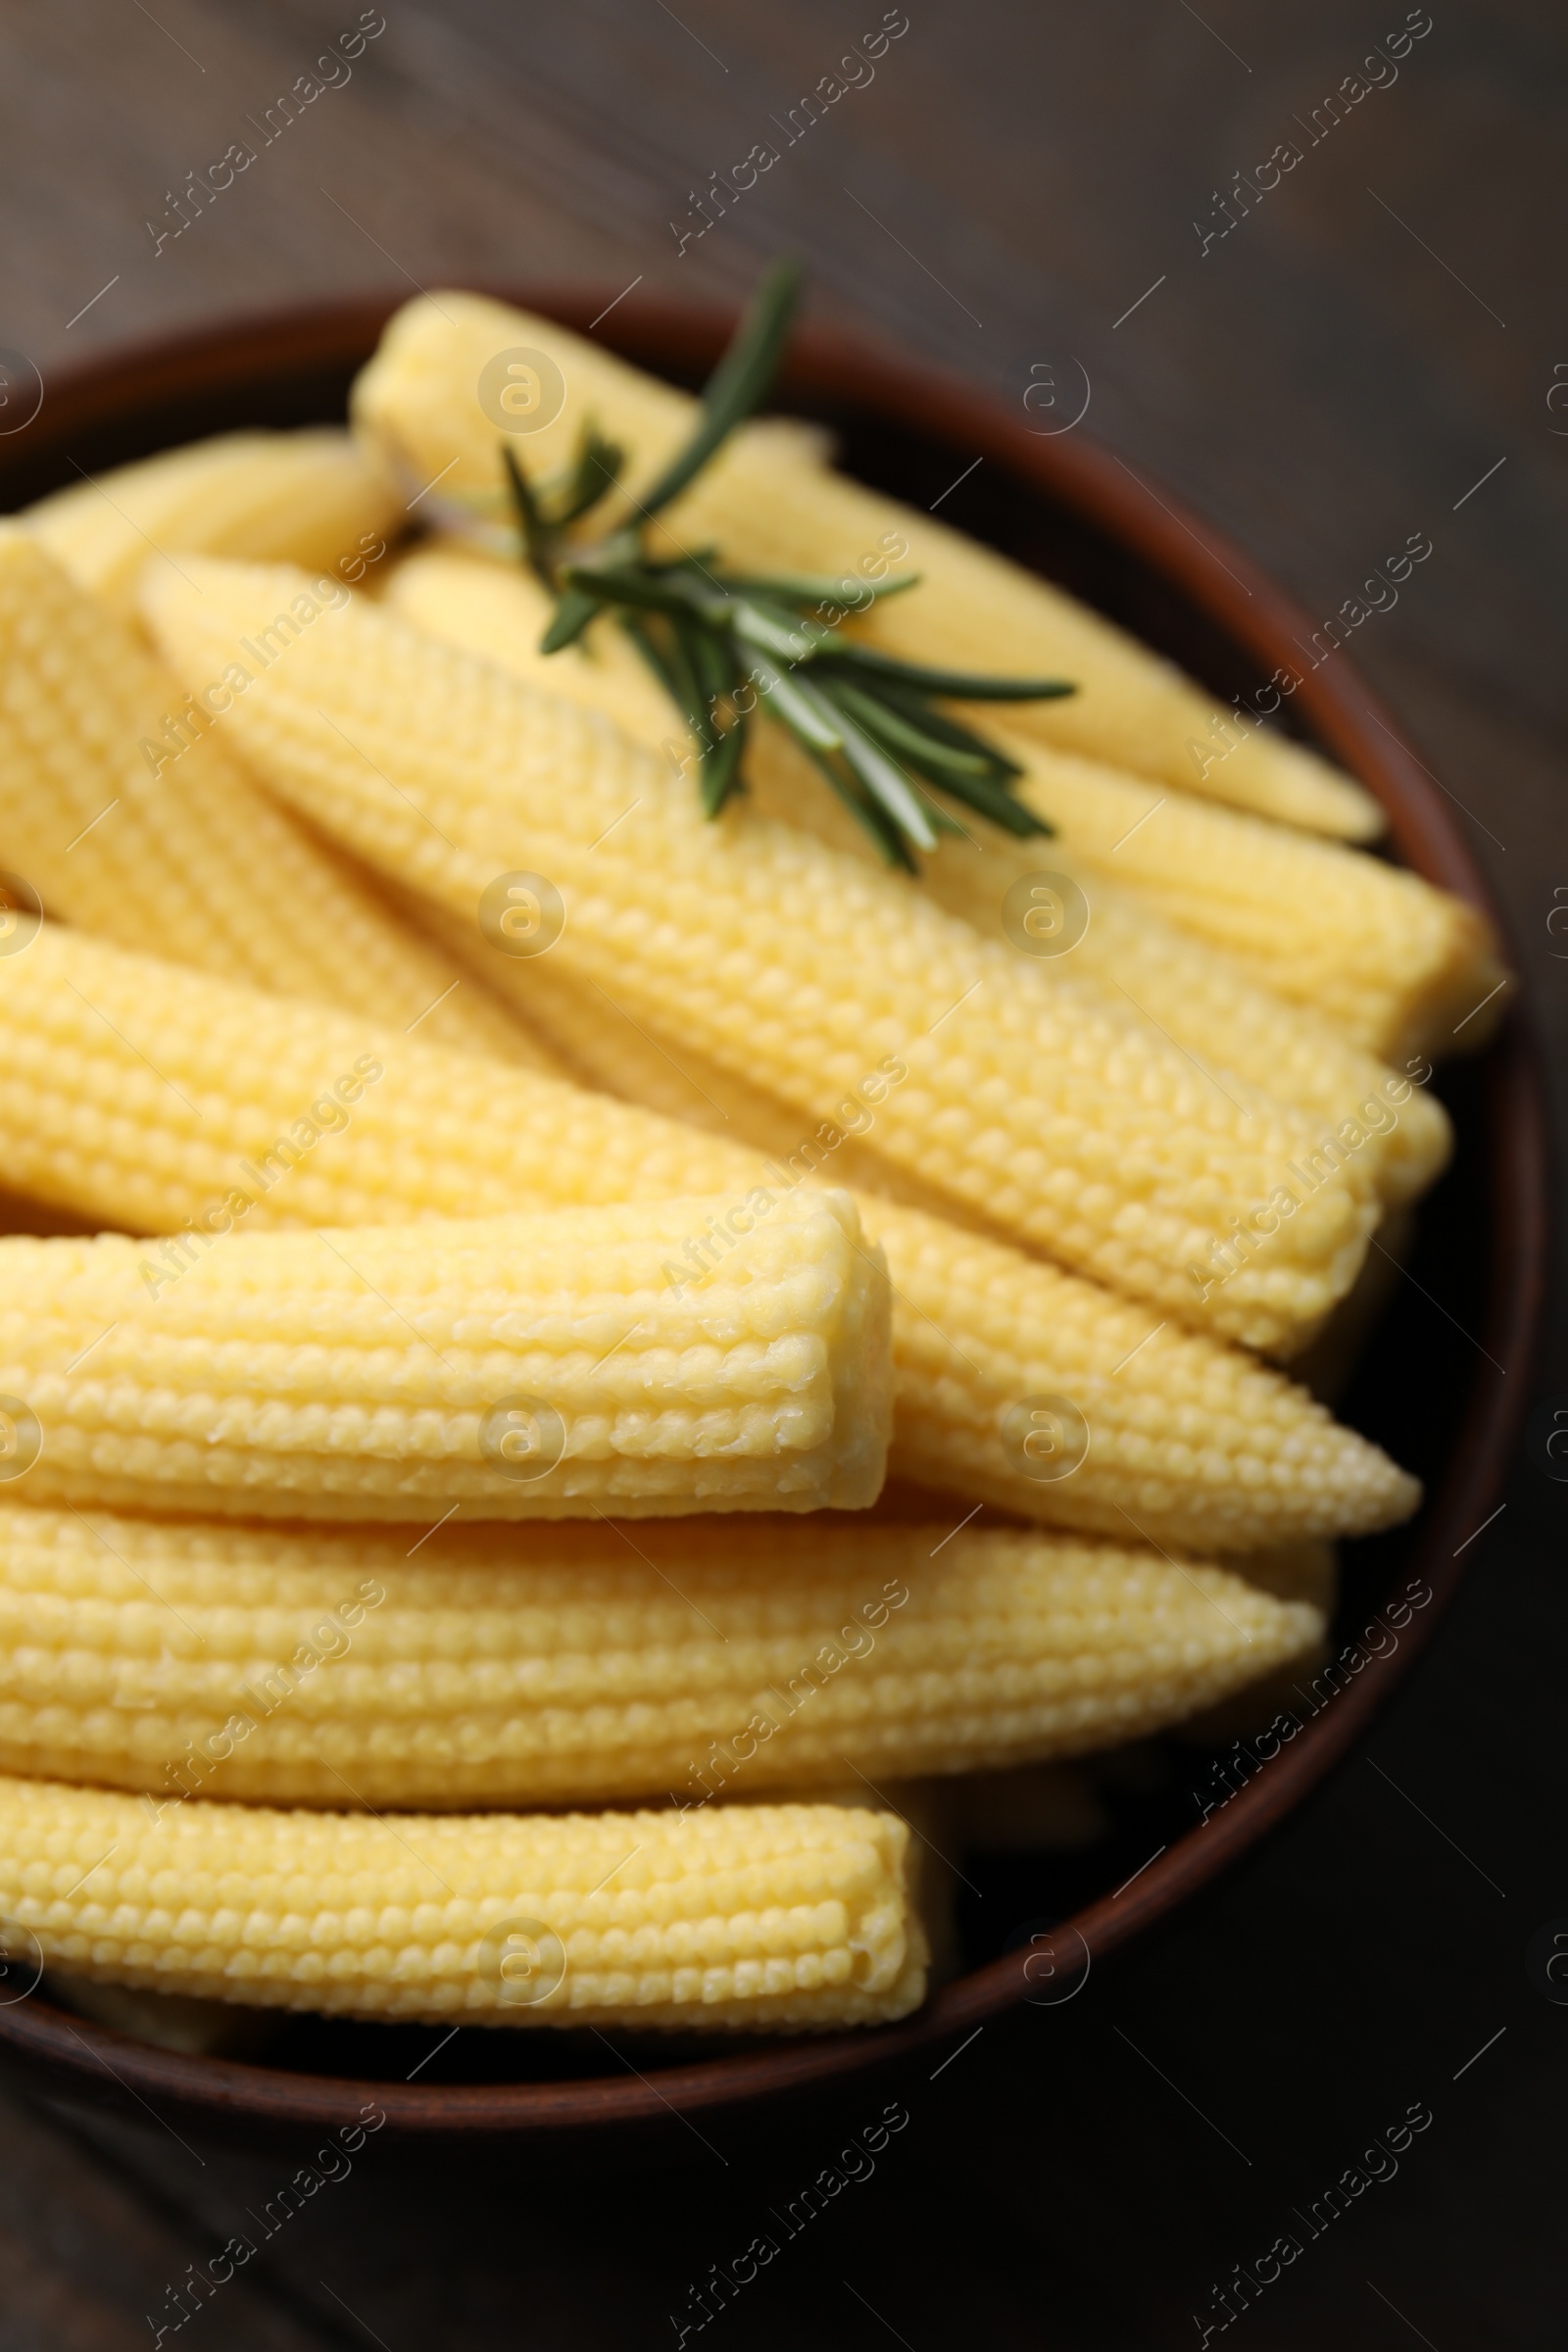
{"points": [[1229, 590]]}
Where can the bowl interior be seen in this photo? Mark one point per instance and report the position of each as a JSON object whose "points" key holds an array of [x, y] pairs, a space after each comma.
{"points": [[1424, 1386]]}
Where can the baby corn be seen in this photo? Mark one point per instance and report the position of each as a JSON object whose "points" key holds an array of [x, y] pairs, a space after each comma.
{"points": [[142, 1096], [124, 817], [1401, 968], [772, 507], [1201, 995], [315, 498], [753, 1917], [575, 1666], [521, 1368], [1034, 1100]]}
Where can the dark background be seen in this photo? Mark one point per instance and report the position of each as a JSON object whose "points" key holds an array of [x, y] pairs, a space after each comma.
{"points": [[1323, 382]]}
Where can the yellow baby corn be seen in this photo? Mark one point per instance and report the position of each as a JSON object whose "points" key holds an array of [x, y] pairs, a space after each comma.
{"points": [[1033, 1099], [315, 498], [1402, 970], [574, 1665], [142, 1096], [1200, 996], [521, 1367], [126, 818], [754, 1917], [772, 506]]}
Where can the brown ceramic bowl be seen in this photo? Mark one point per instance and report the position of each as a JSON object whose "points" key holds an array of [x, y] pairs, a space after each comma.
{"points": [[1425, 1389]]}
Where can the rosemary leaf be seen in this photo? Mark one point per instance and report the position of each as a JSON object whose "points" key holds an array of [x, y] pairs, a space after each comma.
{"points": [[530, 521], [593, 475], [711, 659], [898, 733], [642, 637], [737, 383], [721, 766], [574, 611], [771, 635], [865, 812], [810, 638], [800, 710], [965, 686], [943, 726], [805, 588], [989, 799], [685, 660], [885, 782], [628, 584]]}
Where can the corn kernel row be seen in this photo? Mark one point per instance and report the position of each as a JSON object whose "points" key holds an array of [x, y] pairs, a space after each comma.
{"points": [[517, 1367], [586, 1663], [763, 1916]]}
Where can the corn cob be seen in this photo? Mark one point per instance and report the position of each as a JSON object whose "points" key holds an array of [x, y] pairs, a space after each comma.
{"points": [[143, 1096], [522, 1367], [579, 1668], [120, 830], [769, 506], [740, 1916], [225, 2029], [315, 498], [1206, 1002], [1403, 970], [1061, 1117]]}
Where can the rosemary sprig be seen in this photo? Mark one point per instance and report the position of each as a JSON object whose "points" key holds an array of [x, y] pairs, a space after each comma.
{"points": [[724, 645]]}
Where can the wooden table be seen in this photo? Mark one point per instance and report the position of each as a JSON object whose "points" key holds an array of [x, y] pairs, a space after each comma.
{"points": [[1023, 194]]}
